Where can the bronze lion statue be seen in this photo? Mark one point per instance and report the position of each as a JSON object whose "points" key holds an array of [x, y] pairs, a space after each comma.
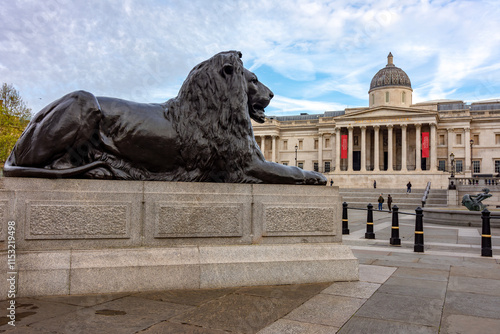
{"points": [[202, 135]]}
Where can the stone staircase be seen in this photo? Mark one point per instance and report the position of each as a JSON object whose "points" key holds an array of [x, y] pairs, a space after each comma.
{"points": [[359, 198]]}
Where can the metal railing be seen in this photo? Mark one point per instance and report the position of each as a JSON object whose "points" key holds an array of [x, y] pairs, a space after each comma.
{"points": [[426, 193]]}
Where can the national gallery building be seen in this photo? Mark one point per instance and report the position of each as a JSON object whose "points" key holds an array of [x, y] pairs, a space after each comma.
{"points": [[392, 141]]}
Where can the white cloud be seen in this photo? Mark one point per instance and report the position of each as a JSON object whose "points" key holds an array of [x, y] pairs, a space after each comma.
{"points": [[139, 49]]}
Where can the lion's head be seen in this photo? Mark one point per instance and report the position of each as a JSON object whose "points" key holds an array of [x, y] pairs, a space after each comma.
{"points": [[258, 95], [212, 113]]}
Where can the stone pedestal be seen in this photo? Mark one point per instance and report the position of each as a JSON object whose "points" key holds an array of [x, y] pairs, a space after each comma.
{"points": [[94, 236]]}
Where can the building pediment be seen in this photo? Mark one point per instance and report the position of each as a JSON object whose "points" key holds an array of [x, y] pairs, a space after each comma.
{"points": [[386, 111]]}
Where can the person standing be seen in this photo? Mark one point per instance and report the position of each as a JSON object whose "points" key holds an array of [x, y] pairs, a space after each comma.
{"points": [[331, 182], [374, 184], [389, 202], [408, 187], [380, 202]]}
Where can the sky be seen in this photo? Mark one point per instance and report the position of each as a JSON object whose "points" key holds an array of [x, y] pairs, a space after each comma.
{"points": [[314, 55]]}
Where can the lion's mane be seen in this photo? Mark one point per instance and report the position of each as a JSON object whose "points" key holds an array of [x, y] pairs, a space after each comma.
{"points": [[210, 115]]}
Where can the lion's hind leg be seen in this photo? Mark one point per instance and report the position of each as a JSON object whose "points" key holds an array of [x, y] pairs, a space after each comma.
{"points": [[60, 133]]}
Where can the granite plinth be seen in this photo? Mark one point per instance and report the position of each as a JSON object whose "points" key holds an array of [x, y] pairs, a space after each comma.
{"points": [[94, 236]]}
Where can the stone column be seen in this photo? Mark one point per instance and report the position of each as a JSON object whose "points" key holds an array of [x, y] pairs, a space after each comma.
{"points": [[404, 153], [363, 148], [468, 167], [418, 149], [433, 145], [390, 151], [337, 149], [450, 144], [376, 153], [349, 149], [273, 156], [263, 145], [320, 152]]}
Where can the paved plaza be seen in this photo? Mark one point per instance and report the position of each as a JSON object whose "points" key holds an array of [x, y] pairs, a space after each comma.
{"points": [[449, 288]]}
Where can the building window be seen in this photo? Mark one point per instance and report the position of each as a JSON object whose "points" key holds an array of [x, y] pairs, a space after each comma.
{"points": [[316, 167], [301, 144], [327, 166], [403, 97], [327, 142], [497, 138], [476, 166], [285, 145], [497, 166], [458, 139], [442, 165], [459, 166], [315, 144], [300, 165], [441, 140], [285, 163], [476, 139], [386, 97]]}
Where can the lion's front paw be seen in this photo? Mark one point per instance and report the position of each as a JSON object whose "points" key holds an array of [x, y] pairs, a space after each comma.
{"points": [[314, 178]]}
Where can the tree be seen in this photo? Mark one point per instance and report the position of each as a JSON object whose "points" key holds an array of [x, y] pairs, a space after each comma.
{"points": [[14, 117]]}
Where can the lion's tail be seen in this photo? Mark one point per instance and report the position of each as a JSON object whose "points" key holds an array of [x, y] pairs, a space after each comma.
{"points": [[20, 171]]}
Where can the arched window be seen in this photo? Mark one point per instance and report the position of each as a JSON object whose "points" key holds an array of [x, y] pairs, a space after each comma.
{"points": [[403, 97]]}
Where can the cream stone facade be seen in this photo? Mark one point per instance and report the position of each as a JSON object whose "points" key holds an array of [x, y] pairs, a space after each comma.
{"points": [[385, 139]]}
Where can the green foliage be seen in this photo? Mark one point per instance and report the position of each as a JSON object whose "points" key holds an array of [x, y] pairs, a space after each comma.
{"points": [[14, 117]]}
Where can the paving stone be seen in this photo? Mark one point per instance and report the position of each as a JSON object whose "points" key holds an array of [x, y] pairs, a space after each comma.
{"points": [[411, 309], [462, 324], [352, 289], [414, 287], [474, 285], [186, 297], [126, 315], [489, 272], [427, 274], [239, 313], [326, 310], [295, 327], [358, 325], [410, 264], [473, 304], [29, 311], [83, 300], [375, 274], [167, 327], [298, 292]]}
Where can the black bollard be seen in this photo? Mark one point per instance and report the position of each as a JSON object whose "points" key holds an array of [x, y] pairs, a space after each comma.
{"points": [[395, 240], [486, 234], [345, 222], [419, 231], [369, 223]]}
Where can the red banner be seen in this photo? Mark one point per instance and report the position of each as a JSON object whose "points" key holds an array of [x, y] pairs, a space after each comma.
{"points": [[425, 144], [343, 153]]}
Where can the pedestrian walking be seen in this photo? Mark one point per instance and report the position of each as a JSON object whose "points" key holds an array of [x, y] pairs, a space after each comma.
{"points": [[389, 202], [331, 182], [374, 184], [408, 187], [380, 202]]}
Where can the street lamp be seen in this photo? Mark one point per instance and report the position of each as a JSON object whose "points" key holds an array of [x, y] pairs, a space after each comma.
{"points": [[296, 148], [452, 158], [471, 167]]}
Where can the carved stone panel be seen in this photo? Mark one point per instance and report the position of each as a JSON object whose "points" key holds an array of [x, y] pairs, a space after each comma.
{"points": [[286, 220], [77, 220], [178, 220]]}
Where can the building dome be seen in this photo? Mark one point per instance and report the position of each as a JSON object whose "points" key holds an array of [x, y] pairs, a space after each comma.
{"points": [[390, 75]]}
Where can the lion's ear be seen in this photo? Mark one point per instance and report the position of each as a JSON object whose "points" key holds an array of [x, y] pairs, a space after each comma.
{"points": [[227, 69]]}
